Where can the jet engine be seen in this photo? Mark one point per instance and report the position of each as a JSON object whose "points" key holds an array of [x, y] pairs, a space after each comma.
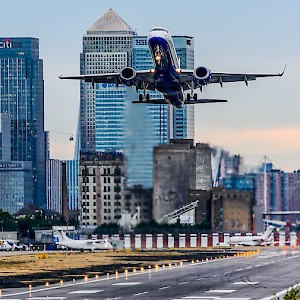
{"points": [[202, 75], [128, 76]]}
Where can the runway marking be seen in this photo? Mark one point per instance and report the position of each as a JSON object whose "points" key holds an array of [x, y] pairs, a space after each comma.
{"points": [[45, 298], [215, 275], [81, 292], [249, 267], [221, 291], [126, 283], [258, 265], [237, 270], [142, 293], [246, 282], [181, 283], [201, 278], [164, 287], [228, 272]]}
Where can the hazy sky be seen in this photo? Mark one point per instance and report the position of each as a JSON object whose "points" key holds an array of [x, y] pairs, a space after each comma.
{"points": [[230, 36]]}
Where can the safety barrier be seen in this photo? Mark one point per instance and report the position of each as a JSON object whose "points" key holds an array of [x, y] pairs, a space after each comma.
{"points": [[193, 240]]}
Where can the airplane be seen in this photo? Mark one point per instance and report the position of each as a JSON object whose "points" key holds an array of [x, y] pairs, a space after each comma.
{"points": [[91, 245], [167, 76], [256, 240]]}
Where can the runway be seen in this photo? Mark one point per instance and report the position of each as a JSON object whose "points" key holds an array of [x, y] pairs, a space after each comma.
{"points": [[257, 276]]}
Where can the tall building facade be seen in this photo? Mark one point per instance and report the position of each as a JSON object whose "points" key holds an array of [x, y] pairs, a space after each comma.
{"points": [[22, 109], [54, 185], [72, 187], [179, 167], [108, 119]]}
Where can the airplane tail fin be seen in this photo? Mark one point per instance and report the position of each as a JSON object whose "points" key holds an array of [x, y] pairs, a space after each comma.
{"points": [[62, 237], [268, 232]]}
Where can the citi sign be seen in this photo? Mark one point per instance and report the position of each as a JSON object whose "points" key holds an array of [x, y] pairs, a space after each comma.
{"points": [[6, 44]]}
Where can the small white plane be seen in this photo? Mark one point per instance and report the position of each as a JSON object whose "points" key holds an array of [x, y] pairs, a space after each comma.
{"points": [[256, 240], [90, 245], [167, 76]]}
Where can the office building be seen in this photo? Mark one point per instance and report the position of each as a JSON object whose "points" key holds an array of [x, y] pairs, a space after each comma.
{"points": [[22, 110], [72, 167], [179, 167], [54, 185], [101, 188], [231, 211], [16, 185]]}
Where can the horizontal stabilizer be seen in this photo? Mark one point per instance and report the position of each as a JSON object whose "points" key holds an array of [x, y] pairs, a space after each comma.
{"points": [[163, 101], [152, 101]]}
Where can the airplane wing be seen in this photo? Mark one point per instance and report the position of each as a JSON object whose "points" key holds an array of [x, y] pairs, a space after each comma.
{"points": [[144, 76], [163, 101], [186, 77]]}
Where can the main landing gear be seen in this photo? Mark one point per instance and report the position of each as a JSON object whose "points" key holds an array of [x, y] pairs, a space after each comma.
{"points": [[192, 96], [144, 97]]}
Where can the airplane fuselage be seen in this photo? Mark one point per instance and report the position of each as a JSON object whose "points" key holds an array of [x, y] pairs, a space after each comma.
{"points": [[167, 68]]}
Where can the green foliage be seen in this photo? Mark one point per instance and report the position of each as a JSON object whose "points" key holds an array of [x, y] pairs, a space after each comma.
{"points": [[292, 294], [112, 228], [7, 222], [153, 227]]}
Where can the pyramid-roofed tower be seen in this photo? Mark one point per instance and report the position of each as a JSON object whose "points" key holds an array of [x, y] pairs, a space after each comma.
{"points": [[110, 22]]}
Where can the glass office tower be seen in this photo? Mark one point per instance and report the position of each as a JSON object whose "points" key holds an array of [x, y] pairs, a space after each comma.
{"points": [[22, 109]]}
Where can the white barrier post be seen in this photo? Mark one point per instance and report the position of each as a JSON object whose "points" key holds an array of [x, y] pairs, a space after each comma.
{"points": [[281, 239], [159, 241], [226, 237], [138, 241], [170, 241], [248, 234], [215, 239], [127, 243], [149, 241], [204, 240], [193, 240], [182, 240], [293, 238]]}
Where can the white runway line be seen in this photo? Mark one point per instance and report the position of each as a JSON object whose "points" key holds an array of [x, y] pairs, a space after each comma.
{"points": [[246, 282], [82, 292], [181, 283], [142, 293], [221, 291], [164, 287], [46, 298], [127, 283]]}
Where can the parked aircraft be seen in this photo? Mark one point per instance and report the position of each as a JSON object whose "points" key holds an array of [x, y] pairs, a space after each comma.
{"points": [[256, 240], [167, 76], [91, 245]]}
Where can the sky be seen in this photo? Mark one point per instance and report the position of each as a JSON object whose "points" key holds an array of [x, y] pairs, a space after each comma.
{"points": [[229, 36]]}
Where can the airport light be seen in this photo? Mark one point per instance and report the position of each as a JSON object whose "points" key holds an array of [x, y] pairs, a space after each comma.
{"points": [[181, 264], [74, 279], [117, 274], [192, 261], [170, 265], [107, 275], [156, 268], [86, 278], [30, 287], [97, 276], [142, 269], [126, 274], [134, 270], [61, 282], [197, 260], [47, 284], [149, 267]]}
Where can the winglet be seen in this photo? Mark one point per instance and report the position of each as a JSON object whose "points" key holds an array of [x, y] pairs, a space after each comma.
{"points": [[280, 74]]}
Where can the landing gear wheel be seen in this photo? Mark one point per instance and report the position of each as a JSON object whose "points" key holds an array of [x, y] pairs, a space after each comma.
{"points": [[141, 97], [195, 97], [147, 97], [188, 97]]}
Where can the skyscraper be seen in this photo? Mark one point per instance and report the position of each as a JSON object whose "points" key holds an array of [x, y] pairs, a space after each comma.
{"points": [[22, 109], [108, 119]]}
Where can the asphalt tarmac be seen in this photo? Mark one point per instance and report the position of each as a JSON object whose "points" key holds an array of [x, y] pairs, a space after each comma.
{"points": [[256, 276]]}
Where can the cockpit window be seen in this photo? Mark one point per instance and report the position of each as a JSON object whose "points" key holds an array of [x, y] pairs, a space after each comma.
{"points": [[159, 29]]}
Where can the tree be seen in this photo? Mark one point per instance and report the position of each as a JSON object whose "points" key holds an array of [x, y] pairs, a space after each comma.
{"points": [[7, 222]]}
